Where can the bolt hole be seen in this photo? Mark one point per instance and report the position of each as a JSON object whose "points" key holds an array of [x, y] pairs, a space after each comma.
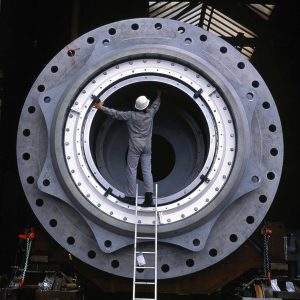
{"points": [[140, 270], [134, 26], [263, 198], [54, 69], [255, 179], [250, 96], [196, 242], [213, 252], [241, 65], [112, 31], [203, 37], [255, 84], [26, 132], [188, 41], [30, 180], [53, 223], [107, 243], [165, 268], [272, 128], [105, 42], [71, 52], [92, 254], [70, 240], [90, 40], [39, 202], [233, 238], [274, 151], [190, 262], [271, 175], [26, 156], [266, 105], [158, 26], [181, 30], [31, 109], [223, 49], [41, 88], [46, 182], [250, 219], [47, 99], [115, 263]]}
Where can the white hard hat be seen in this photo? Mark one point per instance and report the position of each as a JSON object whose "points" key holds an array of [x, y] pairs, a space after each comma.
{"points": [[141, 103]]}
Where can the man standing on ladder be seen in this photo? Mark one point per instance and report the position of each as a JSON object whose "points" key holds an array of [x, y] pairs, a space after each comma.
{"points": [[139, 123]]}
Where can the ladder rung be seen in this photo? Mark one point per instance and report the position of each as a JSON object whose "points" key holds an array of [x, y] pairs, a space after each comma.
{"points": [[144, 298], [144, 282], [145, 267], [145, 252], [145, 238]]}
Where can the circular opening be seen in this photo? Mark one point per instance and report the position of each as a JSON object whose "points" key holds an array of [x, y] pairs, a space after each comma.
{"points": [[134, 26], [233, 238], [213, 252], [223, 49], [181, 30], [140, 270], [272, 128], [105, 42], [165, 268], [188, 41], [263, 198], [39, 202], [53, 223], [31, 109], [274, 151], [26, 156], [271, 175], [241, 65], [90, 40], [250, 219], [112, 31], [71, 52], [266, 105], [107, 243], [46, 182], [255, 179], [250, 96], [41, 88], [196, 242], [30, 180], [203, 37], [92, 254], [180, 140], [115, 263], [47, 99], [70, 240], [54, 69], [190, 262], [255, 84], [157, 26], [26, 132]]}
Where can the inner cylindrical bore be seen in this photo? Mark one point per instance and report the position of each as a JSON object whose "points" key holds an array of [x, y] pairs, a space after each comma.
{"points": [[179, 143]]}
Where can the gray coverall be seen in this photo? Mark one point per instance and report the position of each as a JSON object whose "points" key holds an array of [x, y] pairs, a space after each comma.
{"points": [[140, 126]]}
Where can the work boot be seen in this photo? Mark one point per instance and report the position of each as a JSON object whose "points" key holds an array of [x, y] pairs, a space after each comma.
{"points": [[128, 200], [148, 200]]}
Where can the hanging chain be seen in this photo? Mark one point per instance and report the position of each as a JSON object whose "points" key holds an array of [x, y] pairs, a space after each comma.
{"points": [[266, 231]]}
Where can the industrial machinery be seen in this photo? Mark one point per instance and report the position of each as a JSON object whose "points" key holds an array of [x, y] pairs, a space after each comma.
{"points": [[217, 146]]}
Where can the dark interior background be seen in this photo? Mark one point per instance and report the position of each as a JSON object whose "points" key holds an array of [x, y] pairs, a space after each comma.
{"points": [[33, 31]]}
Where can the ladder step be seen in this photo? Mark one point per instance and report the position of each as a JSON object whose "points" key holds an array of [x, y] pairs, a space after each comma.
{"points": [[144, 282], [144, 298], [145, 238], [145, 252], [145, 267]]}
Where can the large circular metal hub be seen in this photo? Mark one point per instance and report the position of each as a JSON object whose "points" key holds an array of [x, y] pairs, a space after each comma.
{"points": [[217, 146]]}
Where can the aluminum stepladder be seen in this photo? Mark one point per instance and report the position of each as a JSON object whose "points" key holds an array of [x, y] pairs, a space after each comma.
{"points": [[153, 239]]}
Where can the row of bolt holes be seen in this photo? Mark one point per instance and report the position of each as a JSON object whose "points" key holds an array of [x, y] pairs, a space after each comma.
{"points": [[165, 268]]}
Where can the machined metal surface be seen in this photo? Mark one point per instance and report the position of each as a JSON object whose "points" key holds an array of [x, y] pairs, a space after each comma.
{"points": [[218, 131]]}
